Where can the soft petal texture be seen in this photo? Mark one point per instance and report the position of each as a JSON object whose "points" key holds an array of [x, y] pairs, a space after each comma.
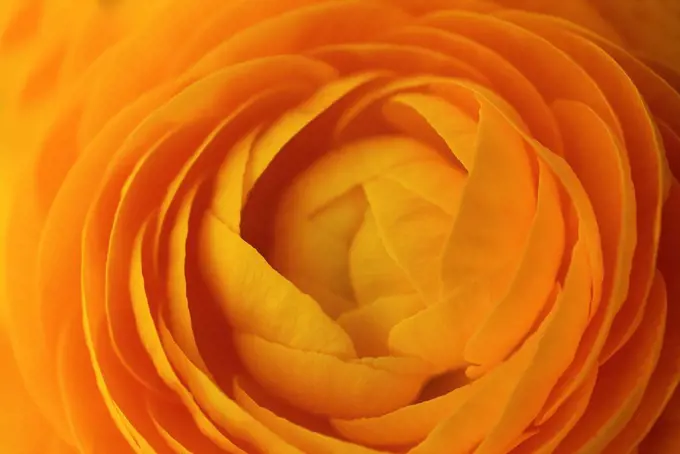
{"points": [[364, 226]]}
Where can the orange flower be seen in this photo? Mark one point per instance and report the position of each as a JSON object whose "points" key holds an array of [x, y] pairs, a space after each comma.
{"points": [[339, 226]]}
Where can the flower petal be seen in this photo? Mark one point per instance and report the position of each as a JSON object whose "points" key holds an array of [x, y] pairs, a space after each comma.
{"points": [[621, 381], [305, 439], [328, 385], [257, 300], [496, 208], [516, 312]]}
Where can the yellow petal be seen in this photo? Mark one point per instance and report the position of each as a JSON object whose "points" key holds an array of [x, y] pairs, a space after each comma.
{"points": [[312, 249], [413, 232], [438, 333], [373, 271], [370, 325], [256, 299], [452, 124]]}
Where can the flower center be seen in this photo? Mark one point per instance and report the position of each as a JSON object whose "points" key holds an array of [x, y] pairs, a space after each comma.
{"points": [[363, 231]]}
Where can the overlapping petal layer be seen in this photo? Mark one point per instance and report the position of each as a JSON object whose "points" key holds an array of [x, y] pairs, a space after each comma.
{"points": [[341, 226]]}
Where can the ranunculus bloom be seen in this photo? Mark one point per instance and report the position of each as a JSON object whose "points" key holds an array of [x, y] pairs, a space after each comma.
{"points": [[342, 226]]}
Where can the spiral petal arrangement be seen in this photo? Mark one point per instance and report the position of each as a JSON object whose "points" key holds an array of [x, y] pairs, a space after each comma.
{"points": [[345, 226]]}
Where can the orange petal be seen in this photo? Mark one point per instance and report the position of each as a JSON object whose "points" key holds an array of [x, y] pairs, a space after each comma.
{"points": [[23, 23], [195, 102], [671, 141], [227, 20], [179, 313], [88, 416], [539, 60], [556, 346], [417, 7], [402, 59], [305, 28], [582, 12], [594, 336], [153, 346], [292, 122], [155, 45], [504, 78], [230, 417], [465, 426], [551, 432], [496, 208], [648, 171], [615, 208], [305, 439], [141, 191], [514, 315], [663, 437], [23, 430], [662, 384], [407, 425], [180, 431], [646, 28], [622, 381], [22, 308], [324, 384]]}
